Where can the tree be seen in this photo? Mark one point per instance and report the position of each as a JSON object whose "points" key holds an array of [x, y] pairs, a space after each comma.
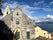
{"points": [[1, 2], [5, 32]]}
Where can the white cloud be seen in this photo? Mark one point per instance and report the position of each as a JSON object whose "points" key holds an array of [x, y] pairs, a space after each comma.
{"points": [[25, 8], [2, 10], [47, 9], [51, 3], [44, 18], [50, 16], [39, 3], [33, 18], [36, 4], [43, 6], [11, 5], [28, 10]]}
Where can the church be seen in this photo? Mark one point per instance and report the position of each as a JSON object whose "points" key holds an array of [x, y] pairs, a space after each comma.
{"points": [[20, 24]]}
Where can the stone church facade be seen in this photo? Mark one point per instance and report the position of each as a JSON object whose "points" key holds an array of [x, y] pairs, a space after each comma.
{"points": [[20, 24]]}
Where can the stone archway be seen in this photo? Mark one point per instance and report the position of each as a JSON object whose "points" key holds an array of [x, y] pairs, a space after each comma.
{"points": [[17, 33]]}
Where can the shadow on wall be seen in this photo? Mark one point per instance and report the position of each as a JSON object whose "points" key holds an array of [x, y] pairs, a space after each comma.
{"points": [[5, 32]]}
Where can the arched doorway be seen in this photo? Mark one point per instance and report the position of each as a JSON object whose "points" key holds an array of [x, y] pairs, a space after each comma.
{"points": [[17, 33]]}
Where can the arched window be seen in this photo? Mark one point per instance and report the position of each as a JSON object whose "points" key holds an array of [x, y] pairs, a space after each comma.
{"points": [[28, 34], [17, 35]]}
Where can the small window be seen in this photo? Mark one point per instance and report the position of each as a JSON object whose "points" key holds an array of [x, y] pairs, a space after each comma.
{"points": [[17, 35], [28, 35], [17, 13], [17, 21]]}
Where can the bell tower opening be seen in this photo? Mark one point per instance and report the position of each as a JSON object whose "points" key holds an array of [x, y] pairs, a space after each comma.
{"points": [[7, 12]]}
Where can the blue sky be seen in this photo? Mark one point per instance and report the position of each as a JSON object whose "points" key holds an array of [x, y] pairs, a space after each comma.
{"points": [[33, 8]]}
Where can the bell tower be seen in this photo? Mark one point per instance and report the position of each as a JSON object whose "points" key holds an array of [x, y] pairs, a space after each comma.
{"points": [[6, 11]]}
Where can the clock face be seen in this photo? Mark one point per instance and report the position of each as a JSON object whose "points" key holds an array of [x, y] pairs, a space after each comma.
{"points": [[17, 21]]}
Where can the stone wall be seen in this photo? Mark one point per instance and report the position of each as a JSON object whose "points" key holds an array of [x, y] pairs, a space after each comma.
{"points": [[26, 24]]}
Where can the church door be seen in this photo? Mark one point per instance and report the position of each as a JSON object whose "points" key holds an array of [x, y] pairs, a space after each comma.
{"points": [[17, 35]]}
